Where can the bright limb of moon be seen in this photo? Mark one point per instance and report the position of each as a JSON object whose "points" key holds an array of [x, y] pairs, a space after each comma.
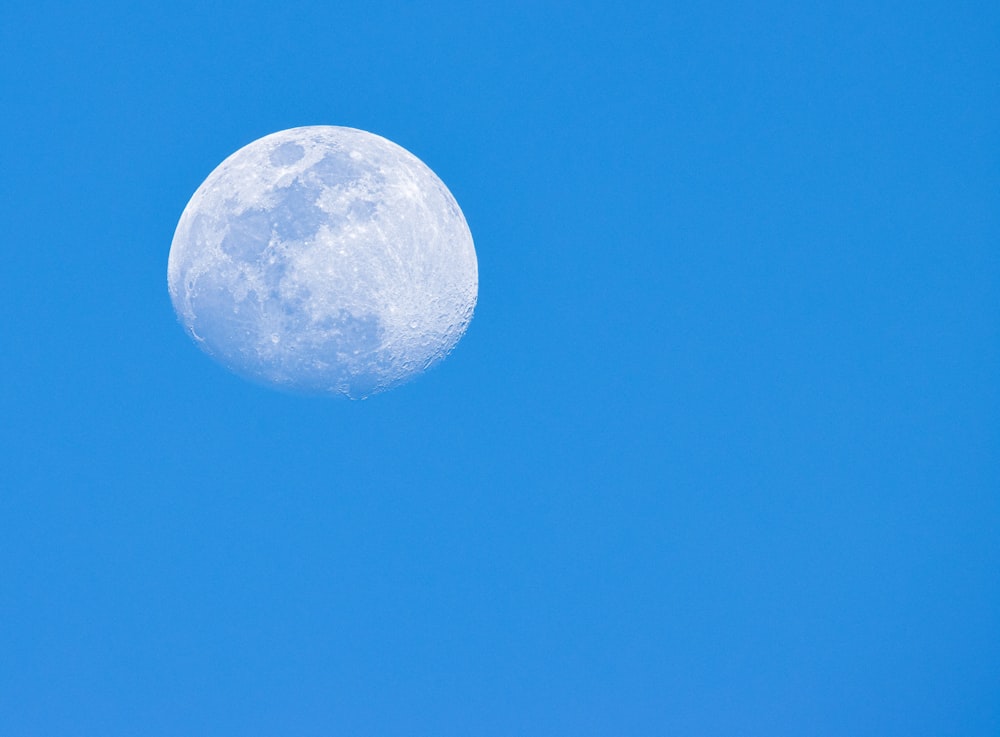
{"points": [[324, 260]]}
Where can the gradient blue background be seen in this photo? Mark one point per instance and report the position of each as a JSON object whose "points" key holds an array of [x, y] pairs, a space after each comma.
{"points": [[717, 456]]}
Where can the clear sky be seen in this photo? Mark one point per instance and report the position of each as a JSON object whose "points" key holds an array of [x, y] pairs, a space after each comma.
{"points": [[719, 454]]}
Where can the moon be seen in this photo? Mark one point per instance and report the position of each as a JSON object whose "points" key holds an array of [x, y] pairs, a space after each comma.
{"points": [[324, 260]]}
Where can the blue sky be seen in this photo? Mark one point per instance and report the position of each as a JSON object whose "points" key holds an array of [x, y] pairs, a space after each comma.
{"points": [[718, 454]]}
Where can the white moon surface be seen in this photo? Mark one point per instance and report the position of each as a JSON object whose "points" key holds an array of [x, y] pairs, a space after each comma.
{"points": [[324, 260]]}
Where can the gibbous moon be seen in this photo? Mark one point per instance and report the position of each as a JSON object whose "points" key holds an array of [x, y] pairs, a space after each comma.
{"points": [[324, 260]]}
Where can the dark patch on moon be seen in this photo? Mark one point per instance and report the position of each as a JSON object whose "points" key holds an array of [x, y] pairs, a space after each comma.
{"points": [[296, 216], [286, 154], [248, 236], [337, 169]]}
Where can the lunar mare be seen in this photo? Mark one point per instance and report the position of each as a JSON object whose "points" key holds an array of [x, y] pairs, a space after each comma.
{"points": [[324, 260]]}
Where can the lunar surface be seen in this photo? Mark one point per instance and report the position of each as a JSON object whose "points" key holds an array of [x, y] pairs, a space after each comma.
{"points": [[324, 260]]}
